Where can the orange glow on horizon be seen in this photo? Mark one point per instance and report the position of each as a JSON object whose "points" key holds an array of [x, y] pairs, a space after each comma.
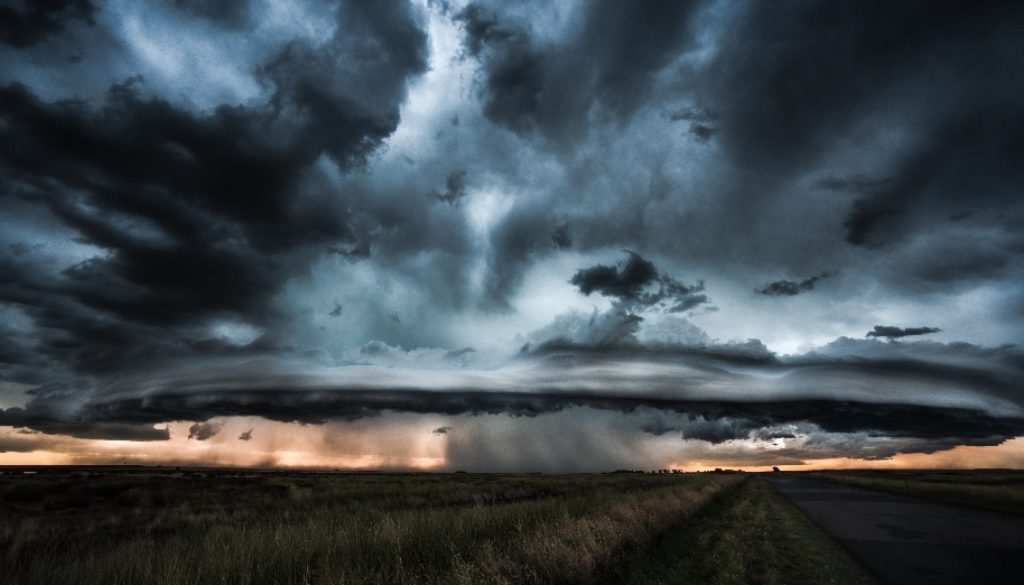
{"points": [[407, 442], [399, 445], [1008, 455]]}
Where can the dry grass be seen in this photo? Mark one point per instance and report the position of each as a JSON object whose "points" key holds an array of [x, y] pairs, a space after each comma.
{"points": [[276, 528], [750, 536]]}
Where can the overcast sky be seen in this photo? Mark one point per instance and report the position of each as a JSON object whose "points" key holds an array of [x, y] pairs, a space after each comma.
{"points": [[556, 236]]}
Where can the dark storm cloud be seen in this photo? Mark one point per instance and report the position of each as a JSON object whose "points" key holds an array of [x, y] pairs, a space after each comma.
{"points": [[963, 159], [712, 430], [781, 97], [203, 431], [514, 75], [24, 23], [716, 422], [764, 87], [39, 418], [905, 426], [173, 244], [866, 215], [783, 106], [441, 430], [752, 352], [895, 332], [113, 177], [848, 390], [533, 85], [197, 216], [768, 128], [625, 282], [631, 284], [791, 288]]}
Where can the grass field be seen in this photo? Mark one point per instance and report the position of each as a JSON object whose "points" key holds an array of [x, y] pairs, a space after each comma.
{"points": [[750, 536], [116, 528], [998, 490], [227, 527]]}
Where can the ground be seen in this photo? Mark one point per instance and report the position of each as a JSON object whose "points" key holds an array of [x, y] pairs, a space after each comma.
{"points": [[161, 526]]}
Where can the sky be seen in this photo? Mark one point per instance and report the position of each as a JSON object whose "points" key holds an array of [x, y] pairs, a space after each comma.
{"points": [[556, 236]]}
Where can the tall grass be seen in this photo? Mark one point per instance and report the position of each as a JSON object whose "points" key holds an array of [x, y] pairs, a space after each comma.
{"points": [[750, 536], [375, 529]]}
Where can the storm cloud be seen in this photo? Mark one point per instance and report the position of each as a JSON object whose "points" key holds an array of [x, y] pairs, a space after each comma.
{"points": [[203, 431], [892, 332], [638, 284], [545, 215], [780, 288], [25, 23]]}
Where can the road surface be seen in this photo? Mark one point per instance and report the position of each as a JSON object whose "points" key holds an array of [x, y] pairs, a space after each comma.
{"points": [[907, 541]]}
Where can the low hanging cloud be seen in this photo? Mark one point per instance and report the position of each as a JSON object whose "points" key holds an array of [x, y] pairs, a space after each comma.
{"points": [[917, 393], [202, 431], [893, 332], [790, 288]]}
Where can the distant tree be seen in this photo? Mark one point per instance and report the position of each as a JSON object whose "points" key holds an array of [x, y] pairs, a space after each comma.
{"points": [[775, 469]]}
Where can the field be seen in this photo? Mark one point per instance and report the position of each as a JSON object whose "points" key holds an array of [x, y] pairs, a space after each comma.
{"points": [[997, 490], [749, 535], [117, 526]]}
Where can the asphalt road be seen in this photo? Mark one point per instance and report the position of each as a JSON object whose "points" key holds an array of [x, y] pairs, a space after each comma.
{"points": [[907, 541]]}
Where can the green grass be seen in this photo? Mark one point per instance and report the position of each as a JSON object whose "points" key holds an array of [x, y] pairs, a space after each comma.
{"points": [[163, 528], [751, 535], [1001, 491]]}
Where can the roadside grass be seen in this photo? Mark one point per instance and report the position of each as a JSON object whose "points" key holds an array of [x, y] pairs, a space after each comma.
{"points": [[1000, 491], [297, 529], [749, 536]]}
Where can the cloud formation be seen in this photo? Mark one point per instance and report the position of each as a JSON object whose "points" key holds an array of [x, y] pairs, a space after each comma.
{"points": [[893, 332], [23, 24], [394, 211], [203, 431], [791, 288], [638, 285]]}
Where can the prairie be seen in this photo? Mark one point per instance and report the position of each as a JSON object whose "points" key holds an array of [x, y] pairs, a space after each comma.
{"points": [[192, 526]]}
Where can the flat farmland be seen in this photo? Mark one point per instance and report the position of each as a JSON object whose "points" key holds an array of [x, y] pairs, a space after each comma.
{"points": [[128, 525], [191, 526]]}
